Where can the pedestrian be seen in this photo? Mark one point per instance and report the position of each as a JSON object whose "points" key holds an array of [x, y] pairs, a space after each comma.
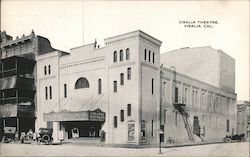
{"points": [[30, 134], [34, 136], [102, 136], [22, 137]]}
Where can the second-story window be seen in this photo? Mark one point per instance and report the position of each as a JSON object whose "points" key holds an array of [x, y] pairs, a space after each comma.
{"points": [[145, 54], [127, 54], [153, 57], [176, 95], [122, 115], [129, 73], [149, 56], [152, 84], [45, 70], [46, 93], [129, 109], [115, 121], [50, 92], [99, 86], [115, 57], [65, 90], [121, 55], [115, 86], [49, 70], [122, 78]]}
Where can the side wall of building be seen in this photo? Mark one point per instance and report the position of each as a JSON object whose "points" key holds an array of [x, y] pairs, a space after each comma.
{"points": [[213, 107]]}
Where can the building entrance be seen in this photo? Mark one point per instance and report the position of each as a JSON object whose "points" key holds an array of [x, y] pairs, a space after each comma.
{"points": [[76, 129]]}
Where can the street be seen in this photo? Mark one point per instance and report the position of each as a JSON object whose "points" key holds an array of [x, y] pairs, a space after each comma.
{"points": [[228, 149]]}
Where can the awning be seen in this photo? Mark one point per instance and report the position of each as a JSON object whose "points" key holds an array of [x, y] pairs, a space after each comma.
{"points": [[13, 82], [7, 83], [14, 110], [8, 110], [96, 115]]}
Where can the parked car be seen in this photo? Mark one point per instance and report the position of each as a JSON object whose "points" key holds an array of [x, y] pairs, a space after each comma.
{"points": [[9, 135], [45, 135], [236, 137]]}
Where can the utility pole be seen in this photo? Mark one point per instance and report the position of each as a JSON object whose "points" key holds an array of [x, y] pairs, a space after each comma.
{"points": [[160, 130]]}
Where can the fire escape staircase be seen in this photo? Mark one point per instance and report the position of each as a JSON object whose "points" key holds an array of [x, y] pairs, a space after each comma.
{"points": [[183, 111]]}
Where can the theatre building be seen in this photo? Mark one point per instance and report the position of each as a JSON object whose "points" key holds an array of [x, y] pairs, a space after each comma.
{"points": [[17, 81], [121, 88]]}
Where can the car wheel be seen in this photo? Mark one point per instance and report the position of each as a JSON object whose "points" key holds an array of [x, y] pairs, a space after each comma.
{"points": [[243, 139], [228, 140], [46, 138]]}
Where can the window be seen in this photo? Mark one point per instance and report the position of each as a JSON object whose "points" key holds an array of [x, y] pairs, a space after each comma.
{"points": [[99, 86], [204, 119], [210, 120], [153, 57], [152, 124], [127, 54], [115, 121], [122, 79], [49, 69], [145, 54], [129, 109], [210, 102], [65, 90], [176, 117], [50, 125], [45, 70], [227, 129], [46, 93], [50, 92], [129, 73], [121, 55], [149, 56], [165, 116], [122, 115], [152, 88], [176, 95], [81, 83], [115, 86], [115, 56], [185, 95]]}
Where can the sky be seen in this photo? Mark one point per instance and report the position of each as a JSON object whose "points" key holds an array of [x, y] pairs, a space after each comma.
{"points": [[68, 24]]}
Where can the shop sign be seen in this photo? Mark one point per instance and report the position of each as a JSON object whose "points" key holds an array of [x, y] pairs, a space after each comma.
{"points": [[75, 116]]}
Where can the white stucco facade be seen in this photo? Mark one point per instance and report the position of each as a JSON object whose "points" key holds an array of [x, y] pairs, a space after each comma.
{"points": [[127, 89]]}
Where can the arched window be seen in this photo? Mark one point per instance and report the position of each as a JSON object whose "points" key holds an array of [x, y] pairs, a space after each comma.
{"points": [[45, 70], [82, 83], [115, 56], [121, 55], [127, 54]]}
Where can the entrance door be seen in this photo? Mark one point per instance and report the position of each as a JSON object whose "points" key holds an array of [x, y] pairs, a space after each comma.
{"points": [[196, 126], [85, 128], [143, 131]]}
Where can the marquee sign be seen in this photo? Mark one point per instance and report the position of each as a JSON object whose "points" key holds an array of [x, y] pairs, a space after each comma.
{"points": [[96, 115]]}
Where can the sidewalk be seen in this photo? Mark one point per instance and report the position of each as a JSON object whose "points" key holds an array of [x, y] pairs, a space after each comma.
{"points": [[156, 145]]}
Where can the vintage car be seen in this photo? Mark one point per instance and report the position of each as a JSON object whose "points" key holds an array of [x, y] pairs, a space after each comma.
{"points": [[45, 135], [236, 137], [9, 135]]}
